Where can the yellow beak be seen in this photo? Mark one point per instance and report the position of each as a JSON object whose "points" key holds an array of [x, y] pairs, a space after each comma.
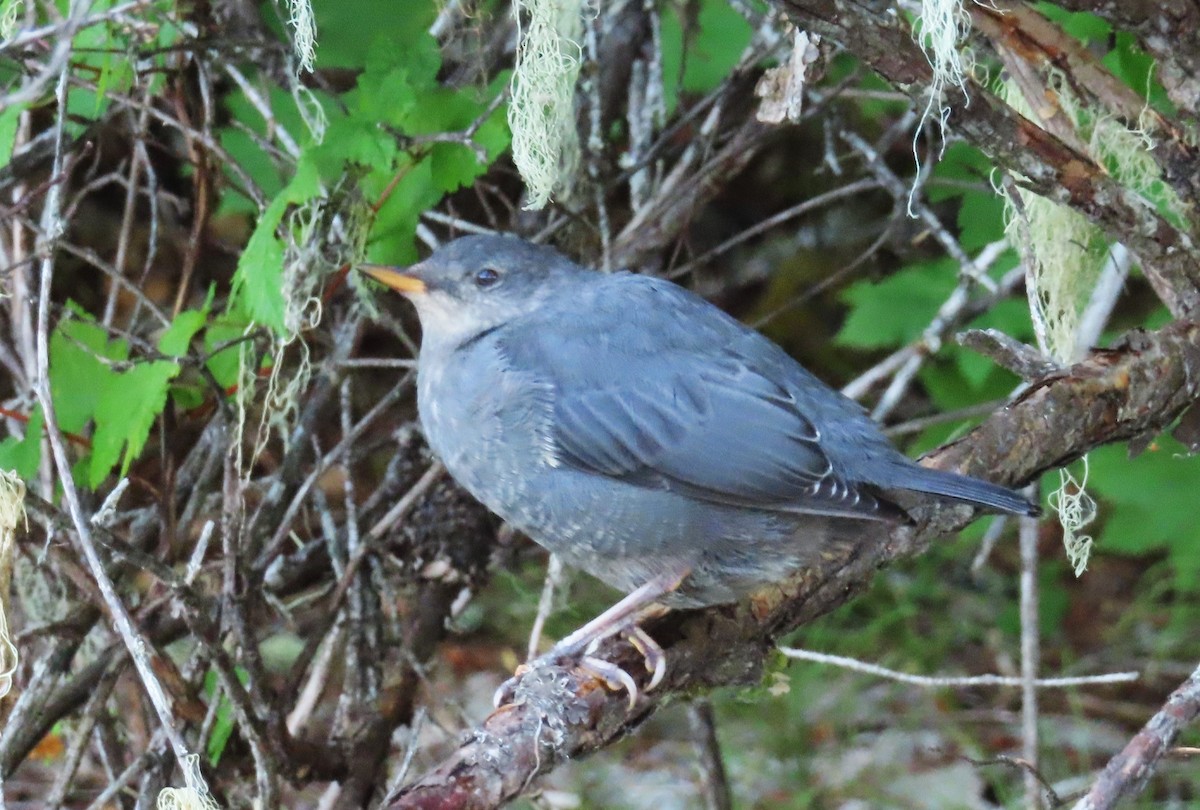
{"points": [[401, 282]]}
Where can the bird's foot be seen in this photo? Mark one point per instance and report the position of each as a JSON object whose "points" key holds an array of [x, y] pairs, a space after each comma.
{"points": [[611, 675], [622, 619]]}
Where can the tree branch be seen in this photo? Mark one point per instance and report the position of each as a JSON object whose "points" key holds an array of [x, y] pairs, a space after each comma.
{"points": [[1044, 163], [1127, 772]]}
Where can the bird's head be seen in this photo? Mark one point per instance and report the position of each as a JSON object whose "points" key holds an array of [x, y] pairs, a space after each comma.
{"points": [[476, 283]]}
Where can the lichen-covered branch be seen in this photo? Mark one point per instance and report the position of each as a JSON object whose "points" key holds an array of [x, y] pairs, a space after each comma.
{"points": [[1046, 164]]}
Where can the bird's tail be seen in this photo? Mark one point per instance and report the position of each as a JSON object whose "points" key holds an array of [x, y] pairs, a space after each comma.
{"points": [[963, 488]]}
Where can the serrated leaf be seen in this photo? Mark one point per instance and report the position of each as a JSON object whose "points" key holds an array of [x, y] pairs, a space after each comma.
{"points": [[23, 455], [178, 336], [126, 409], [980, 220], [724, 35], [77, 372], [1148, 503], [258, 281], [453, 166], [9, 119], [963, 164], [896, 310], [224, 364], [1136, 68], [350, 141], [396, 222]]}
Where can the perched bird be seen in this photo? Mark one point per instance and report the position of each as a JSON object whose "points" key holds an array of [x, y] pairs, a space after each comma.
{"points": [[639, 432]]}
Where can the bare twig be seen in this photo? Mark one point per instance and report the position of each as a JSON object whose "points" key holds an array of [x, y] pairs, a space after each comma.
{"points": [[1030, 650], [52, 226], [714, 784], [944, 681]]}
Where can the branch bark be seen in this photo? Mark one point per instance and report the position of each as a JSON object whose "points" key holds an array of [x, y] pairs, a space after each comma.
{"points": [[559, 713], [1045, 164], [1127, 772]]}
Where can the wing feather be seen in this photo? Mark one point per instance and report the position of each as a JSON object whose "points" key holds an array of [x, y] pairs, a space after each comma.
{"points": [[690, 411]]}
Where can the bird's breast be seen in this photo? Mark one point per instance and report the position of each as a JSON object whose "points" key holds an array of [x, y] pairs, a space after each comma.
{"points": [[489, 425]]}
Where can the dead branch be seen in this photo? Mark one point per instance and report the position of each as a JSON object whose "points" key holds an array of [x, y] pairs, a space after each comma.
{"points": [[1127, 773]]}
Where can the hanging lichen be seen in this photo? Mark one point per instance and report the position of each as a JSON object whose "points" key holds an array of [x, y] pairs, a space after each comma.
{"points": [[12, 515], [541, 114]]}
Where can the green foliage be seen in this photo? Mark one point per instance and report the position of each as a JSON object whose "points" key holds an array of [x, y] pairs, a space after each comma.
{"points": [[1083, 25], [129, 403], [104, 54], [9, 118], [258, 284], [225, 720], [91, 381], [1148, 503], [374, 136], [360, 152], [1123, 57], [896, 310], [22, 455], [698, 60]]}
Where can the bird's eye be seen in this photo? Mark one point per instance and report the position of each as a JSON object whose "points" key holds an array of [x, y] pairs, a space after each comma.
{"points": [[486, 277]]}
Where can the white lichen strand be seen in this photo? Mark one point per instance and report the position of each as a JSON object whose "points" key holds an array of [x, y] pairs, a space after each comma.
{"points": [[12, 516], [10, 10], [940, 30], [304, 28], [541, 113], [193, 797], [1076, 509]]}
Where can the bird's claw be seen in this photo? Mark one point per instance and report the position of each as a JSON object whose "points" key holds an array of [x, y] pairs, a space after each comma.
{"points": [[653, 655], [614, 677]]}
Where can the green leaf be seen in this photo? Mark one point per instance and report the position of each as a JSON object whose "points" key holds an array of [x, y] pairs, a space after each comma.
{"points": [[1082, 25], [258, 281], [9, 119], [225, 720], [125, 411], [699, 61], [980, 220], [225, 363], [963, 166], [724, 35], [350, 140], [23, 455], [178, 336], [1148, 503], [453, 166], [345, 27], [78, 372], [896, 310], [396, 223]]}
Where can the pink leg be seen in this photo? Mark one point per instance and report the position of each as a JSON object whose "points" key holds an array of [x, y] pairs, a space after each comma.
{"points": [[623, 617]]}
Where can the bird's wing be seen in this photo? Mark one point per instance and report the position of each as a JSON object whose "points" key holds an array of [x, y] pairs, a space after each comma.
{"points": [[659, 389]]}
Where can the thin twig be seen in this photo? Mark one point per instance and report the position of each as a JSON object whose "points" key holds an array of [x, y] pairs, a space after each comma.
{"points": [[52, 226], [714, 784], [1030, 644], [940, 682]]}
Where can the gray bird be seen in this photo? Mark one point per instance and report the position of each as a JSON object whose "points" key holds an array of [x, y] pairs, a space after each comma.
{"points": [[639, 432]]}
